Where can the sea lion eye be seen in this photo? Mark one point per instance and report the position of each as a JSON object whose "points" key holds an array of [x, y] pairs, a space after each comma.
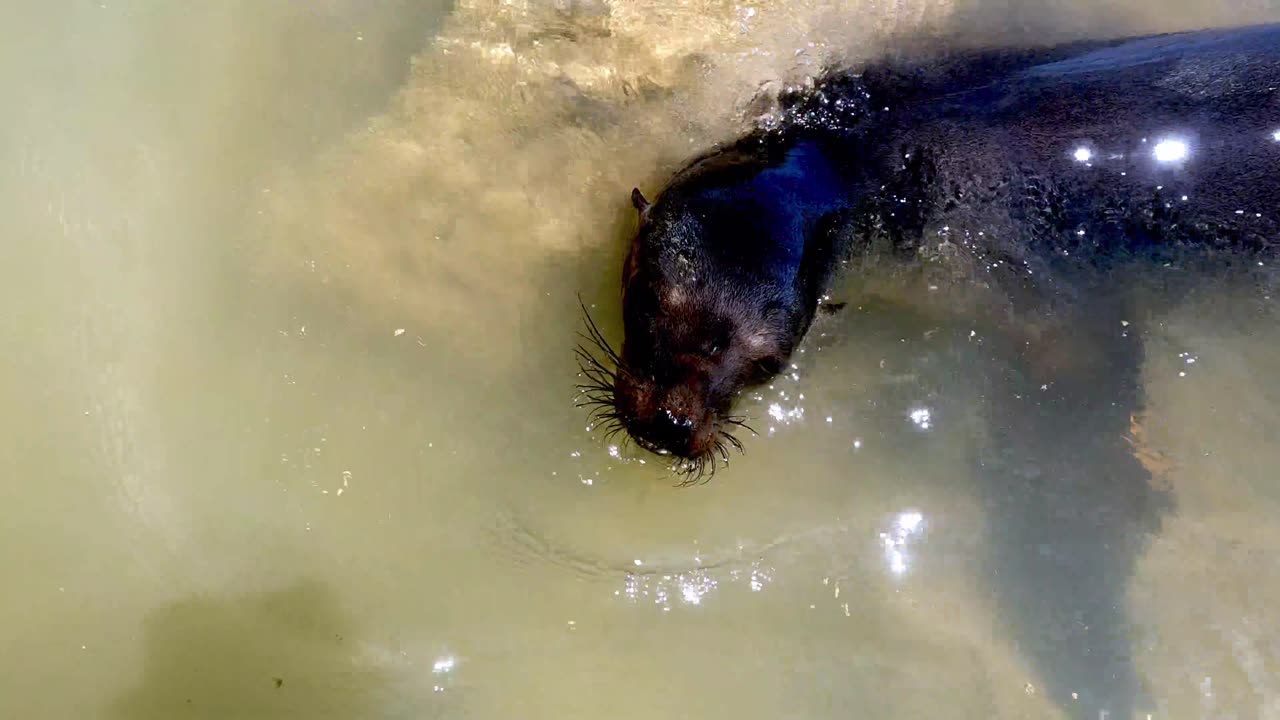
{"points": [[769, 366], [714, 345]]}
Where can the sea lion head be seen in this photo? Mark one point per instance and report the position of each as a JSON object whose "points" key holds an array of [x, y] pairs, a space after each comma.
{"points": [[675, 382], [693, 340]]}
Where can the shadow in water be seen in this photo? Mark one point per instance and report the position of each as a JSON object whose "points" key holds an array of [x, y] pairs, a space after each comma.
{"points": [[280, 654], [1070, 509]]}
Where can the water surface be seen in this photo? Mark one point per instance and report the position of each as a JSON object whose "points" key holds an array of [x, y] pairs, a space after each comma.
{"points": [[290, 296]]}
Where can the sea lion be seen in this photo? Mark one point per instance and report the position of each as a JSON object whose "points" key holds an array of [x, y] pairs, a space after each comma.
{"points": [[1032, 170], [721, 284], [1033, 175]]}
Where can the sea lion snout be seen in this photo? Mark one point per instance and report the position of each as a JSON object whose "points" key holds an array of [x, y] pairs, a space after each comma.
{"points": [[669, 419]]}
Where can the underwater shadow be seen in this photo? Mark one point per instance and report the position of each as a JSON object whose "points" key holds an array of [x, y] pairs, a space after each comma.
{"points": [[1070, 511], [278, 654]]}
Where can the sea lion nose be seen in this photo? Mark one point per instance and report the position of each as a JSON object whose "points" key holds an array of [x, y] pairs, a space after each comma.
{"points": [[670, 432], [677, 422], [666, 418]]}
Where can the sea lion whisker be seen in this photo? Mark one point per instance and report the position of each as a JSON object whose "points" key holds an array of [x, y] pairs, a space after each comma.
{"points": [[596, 377], [608, 425], [613, 431], [597, 336], [688, 470], [604, 419], [591, 366], [600, 414], [597, 340], [593, 342], [592, 401], [600, 342], [682, 479], [584, 352], [597, 393], [733, 441], [593, 398], [625, 444], [596, 380]]}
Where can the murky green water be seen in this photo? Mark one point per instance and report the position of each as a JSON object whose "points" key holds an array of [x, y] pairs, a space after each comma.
{"points": [[288, 414]]}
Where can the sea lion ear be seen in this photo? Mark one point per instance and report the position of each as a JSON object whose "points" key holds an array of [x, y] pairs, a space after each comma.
{"points": [[639, 201]]}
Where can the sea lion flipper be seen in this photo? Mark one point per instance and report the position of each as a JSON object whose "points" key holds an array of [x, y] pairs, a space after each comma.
{"points": [[831, 308]]}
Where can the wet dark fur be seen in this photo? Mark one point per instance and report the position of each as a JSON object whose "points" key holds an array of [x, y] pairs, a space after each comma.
{"points": [[962, 155], [965, 164]]}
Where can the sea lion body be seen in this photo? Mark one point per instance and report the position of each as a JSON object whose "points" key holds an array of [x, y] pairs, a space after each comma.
{"points": [[1030, 171], [1032, 176]]}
